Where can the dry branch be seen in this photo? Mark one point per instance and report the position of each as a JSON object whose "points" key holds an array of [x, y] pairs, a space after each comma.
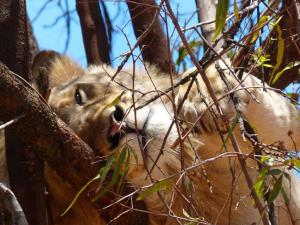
{"points": [[10, 205], [154, 48], [96, 43], [224, 118], [64, 152]]}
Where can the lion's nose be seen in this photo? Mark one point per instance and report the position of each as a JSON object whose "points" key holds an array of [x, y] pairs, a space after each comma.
{"points": [[118, 114]]}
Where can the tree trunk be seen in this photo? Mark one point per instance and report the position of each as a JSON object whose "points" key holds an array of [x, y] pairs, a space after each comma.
{"points": [[25, 169], [154, 47], [93, 29]]}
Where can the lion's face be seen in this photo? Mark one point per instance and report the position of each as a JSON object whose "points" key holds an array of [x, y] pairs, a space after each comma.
{"points": [[102, 113], [86, 104]]}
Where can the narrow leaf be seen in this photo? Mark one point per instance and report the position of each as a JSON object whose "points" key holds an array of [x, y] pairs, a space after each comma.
{"points": [[79, 193], [104, 170], [116, 100], [221, 14], [280, 50], [276, 189], [234, 122], [285, 197], [187, 184], [288, 67], [261, 23], [259, 184], [117, 167], [275, 172], [236, 10], [159, 185], [125, 171], [182, 52]]}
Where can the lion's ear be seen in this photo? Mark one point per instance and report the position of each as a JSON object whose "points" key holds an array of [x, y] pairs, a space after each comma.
{"points": [[50, 69]]}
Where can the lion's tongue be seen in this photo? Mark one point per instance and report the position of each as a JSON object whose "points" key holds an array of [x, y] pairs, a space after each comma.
{"points": [[116, 126]]}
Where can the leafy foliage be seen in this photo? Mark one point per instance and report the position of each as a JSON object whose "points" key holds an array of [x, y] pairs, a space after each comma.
{"points": [[270, 179]]}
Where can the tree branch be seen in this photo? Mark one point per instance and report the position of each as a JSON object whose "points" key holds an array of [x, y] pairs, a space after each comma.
{"points": [[154, 48], [96, 43], [10, 204]]}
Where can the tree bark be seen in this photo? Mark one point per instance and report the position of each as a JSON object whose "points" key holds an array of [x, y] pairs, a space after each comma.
{"points": [[206, 12], [154, 47], [64, 152], [10, 204], [25, 169], [97, 47], [33, 45]]}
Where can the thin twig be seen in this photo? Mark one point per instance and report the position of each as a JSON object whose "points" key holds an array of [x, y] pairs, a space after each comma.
{"points": [[3, 126], [223, 117], [9, 202]]}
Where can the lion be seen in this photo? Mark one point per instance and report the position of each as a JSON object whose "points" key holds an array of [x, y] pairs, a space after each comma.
{"points": [[177, 140]]}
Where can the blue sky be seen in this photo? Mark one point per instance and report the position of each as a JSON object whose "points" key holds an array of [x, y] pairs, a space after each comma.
{"points": [[54, 37]]}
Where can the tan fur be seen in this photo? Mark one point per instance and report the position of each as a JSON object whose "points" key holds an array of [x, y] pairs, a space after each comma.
{"points": [[92, 122], [62, 70], [218, 197], [61, 195]]}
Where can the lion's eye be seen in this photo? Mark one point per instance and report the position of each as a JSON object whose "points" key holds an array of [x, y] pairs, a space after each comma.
{"points": [[80, 97], [118, 113]]}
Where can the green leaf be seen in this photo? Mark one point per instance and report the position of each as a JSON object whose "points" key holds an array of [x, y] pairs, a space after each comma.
{"points": [[116, 100], [104, 170], [285, 197], [265, 158], [187, 184], [259, 184], [125, 171], [261, 23], [182, 52], [79, 193], [159, 185], [221, 14], [280, 50], [116, 172], [275, 172], [118, 167], [103, 173], [276, 189], [261, 59], [287, 67], [294, 162], [236, 10], [233, 124]]}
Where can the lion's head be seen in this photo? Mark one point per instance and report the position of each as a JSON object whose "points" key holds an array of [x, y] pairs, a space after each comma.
{"points": [[100, 108]]}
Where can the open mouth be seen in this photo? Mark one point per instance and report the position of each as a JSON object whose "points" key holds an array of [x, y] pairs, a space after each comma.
{"points": [[118, 128]]}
